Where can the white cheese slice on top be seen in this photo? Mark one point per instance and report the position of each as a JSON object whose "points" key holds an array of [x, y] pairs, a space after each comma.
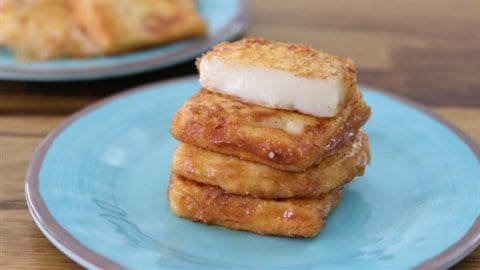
{"points": [[274, 88]]}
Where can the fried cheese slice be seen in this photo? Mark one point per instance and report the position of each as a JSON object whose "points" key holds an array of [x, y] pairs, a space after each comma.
{"points": [[247, 178], [124, 25], [211, 205], [281, 139], [37, 30], [279, 75]]}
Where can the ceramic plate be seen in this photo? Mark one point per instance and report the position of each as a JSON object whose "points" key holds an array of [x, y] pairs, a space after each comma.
{"points": [[97, 185], [226, 19]]}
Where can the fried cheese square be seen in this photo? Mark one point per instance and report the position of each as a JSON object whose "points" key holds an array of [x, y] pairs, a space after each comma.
{"points": [[42, 29], [124, 25], [248, 178], [284, 140], [211, 205], [279, 75]]}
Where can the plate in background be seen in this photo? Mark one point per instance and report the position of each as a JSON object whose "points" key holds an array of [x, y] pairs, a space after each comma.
{"points": [[96, 187], [226, 19]]}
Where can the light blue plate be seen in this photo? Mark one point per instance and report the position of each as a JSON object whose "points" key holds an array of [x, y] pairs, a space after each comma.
{"points": [[225, 18], [97, 189]]}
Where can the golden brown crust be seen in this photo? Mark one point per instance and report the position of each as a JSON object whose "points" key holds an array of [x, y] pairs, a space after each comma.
{"points": [[251, 132], [123, 25], [211, 205], [300, 60], [42, 29], [45, 29], [242, 177]]}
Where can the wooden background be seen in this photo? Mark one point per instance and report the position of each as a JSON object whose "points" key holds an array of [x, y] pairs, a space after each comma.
{"points": [[427, 50]]}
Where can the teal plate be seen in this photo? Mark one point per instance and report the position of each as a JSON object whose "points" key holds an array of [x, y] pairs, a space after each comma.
{"points": [[97, 185], [226, 19]]}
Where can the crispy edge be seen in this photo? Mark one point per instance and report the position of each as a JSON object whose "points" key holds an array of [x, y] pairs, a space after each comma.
{"points": [[298, 59], [103, 26], [214, 133], [242, 177], [211, 205], [42, 30]]}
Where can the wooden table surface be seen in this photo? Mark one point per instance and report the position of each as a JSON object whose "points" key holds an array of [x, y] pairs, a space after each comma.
{"points": [[428, 51]]}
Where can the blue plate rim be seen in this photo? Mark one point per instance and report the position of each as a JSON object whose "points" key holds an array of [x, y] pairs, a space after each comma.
{"points": [[229, 31], [88, 258]]}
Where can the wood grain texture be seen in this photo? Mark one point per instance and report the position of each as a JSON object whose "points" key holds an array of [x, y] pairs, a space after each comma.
{"points": [[426, 50]]}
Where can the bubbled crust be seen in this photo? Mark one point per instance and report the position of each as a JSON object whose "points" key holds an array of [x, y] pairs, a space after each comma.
{"points": [[300, 60], [42, 29], [124, 25], [225, 125], [242, 177], [211, 205]]}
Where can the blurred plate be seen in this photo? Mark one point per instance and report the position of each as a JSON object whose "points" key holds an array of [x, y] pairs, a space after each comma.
{"points": [[97, 185], [226, 19]]}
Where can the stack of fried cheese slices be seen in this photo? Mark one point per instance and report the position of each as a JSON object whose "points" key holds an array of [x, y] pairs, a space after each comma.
{"points": [[270, 139]]}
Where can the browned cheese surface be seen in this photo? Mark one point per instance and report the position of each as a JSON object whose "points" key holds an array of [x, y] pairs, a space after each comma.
{"points": [[44, 29], [256, 133], [289, 217], [257, 180], [123, 25]]}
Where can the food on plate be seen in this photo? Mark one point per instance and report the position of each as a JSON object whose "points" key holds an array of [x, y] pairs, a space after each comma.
{"points": [[124, 25], [262, 72], [282, 139], [289, 217], [242, 177], [36, 30], [270, 139], [42, 29]]}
